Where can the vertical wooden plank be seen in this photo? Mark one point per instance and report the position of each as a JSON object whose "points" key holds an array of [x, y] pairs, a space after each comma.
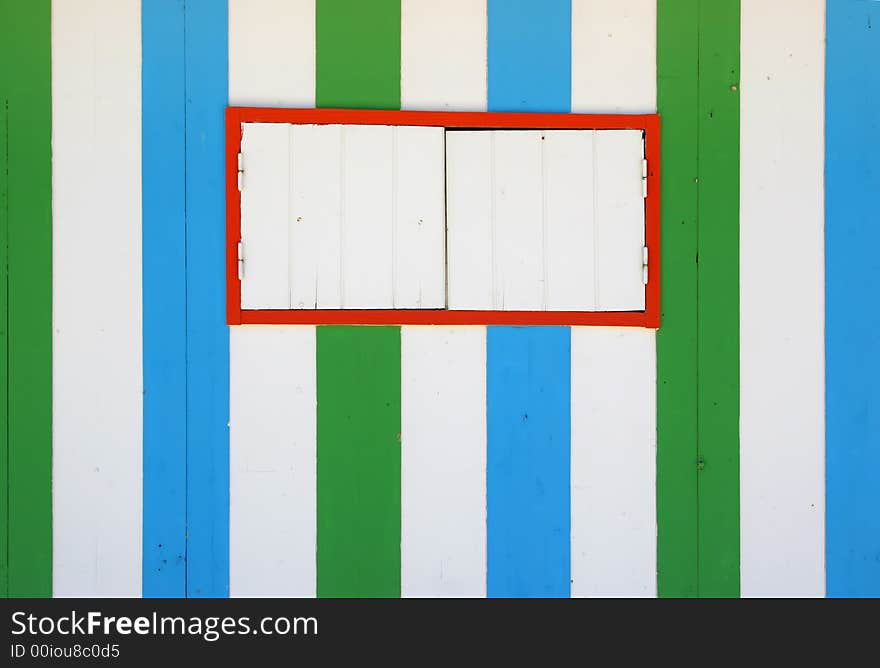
{"points": [[613, 437], [529, 368], [358, 65], [528, 480], [443, 422], [272, 436], [272, 476], [358, 392], [358, 54], [207, 333], [470, 219], [677, 450], [26, 485], [518, 221], [265, 210], [4, 320], [272, 52], [443, 55], [97, 421], [367, 211], [782, 351], [620, 220], [419, 234], [569, 225], [718, 302], [316, 216], [164, 299], [614, 56], [852, 269]]}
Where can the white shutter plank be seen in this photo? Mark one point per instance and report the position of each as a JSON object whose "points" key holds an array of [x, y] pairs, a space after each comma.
{"points": [[420, 220], [367, 210], [570, 224], [469, 219], [620, 219], [519, 217], [316, 209], [264, 216]]}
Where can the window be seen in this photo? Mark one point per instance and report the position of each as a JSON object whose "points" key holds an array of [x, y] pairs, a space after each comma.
{"points": [[368, 217]]}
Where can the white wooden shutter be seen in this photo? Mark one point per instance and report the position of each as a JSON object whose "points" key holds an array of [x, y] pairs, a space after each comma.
{"points": [[336, 216], [545, 220]]}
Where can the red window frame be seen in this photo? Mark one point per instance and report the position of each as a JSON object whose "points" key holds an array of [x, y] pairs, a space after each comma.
{"points": [[649, 123]]}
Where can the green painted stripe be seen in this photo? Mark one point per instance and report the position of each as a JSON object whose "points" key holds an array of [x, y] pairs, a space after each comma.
{"points": [[698, 344], [718, 304], [358, 54], [25, 74], [358, 461], [358, 66], [677, 102]]}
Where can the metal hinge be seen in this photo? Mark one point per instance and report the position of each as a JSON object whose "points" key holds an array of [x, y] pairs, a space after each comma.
{"points": [[240, 261], [644, 178], [644, 265], [240, 172]]}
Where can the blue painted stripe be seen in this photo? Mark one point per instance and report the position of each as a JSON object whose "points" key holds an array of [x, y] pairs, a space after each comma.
{"points": [[207, 340], [530, 55], [186, 340], [164, 299], [852, 283], [528, 399], [529, 368]]}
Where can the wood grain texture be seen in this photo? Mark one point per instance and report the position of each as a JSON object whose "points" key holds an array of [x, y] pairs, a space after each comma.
{"points": [[782, 350], [97, 370], [26, 223], [272, 433], [443, 461], [613, 462]]}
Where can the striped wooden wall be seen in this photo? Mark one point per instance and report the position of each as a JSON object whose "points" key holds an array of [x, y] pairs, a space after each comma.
{"points": [[149, 449]]}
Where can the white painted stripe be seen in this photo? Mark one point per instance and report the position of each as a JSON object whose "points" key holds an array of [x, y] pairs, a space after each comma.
{"points": [[443, 485], [614, 56], [613, 455], [272, 53], [272, 515], [443, 55], [272, 518], [97, 324], [782, 369]]}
